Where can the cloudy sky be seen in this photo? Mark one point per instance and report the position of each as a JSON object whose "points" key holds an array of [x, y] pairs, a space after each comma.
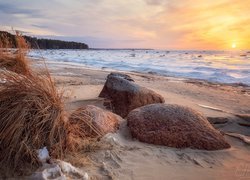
{"points": [[160, 24]]}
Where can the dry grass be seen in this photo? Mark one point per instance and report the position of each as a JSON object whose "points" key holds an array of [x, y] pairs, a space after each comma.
{"points": [[32, 116], [81, 131], [14, 61], [5, 43], [15, 64], [82, 157]]}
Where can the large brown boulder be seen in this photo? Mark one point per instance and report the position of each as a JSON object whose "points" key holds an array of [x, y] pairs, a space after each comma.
{"points": [[92, 121], [125, 95], [174, 126]]}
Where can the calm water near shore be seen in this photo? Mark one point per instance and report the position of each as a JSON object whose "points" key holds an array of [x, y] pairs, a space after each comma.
{"points": [[214, 66]]}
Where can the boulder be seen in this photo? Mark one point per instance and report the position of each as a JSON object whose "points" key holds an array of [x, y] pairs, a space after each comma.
{"points": [[125, 95], [93, 121], [174, 126]]}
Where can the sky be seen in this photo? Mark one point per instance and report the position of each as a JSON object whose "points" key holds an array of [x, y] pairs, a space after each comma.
{"points": [[157, 24]]}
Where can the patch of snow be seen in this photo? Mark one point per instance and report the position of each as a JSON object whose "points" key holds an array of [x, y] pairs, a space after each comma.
{"points": [[60, 170], [49, 172], [43, 154], [2, 81], [53, 173], [111, 139], [86, 176], [68, 168]]}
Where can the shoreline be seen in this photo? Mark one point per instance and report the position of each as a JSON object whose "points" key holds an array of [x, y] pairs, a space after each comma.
{"points": [[186, 79]]}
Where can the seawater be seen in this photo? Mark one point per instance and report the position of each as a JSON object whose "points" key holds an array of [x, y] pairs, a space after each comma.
{"points": [[214, 66]]}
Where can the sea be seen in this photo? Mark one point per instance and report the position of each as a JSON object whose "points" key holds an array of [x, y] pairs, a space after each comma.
{"points": [[214, 66]]}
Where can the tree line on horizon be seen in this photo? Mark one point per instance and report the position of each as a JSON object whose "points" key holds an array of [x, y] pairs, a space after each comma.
{"points": [[36, 43]]}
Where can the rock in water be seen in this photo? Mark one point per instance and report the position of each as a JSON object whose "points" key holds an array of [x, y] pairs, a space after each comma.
{"points": [[174, 126], [125, 95], [94, 121]]}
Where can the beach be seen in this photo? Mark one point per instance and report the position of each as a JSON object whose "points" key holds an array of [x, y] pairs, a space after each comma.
{"points": [[121, 157], [125, 90]]}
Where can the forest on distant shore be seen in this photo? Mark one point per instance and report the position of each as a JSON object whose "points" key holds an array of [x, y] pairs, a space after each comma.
{"points": [[36, 43]]}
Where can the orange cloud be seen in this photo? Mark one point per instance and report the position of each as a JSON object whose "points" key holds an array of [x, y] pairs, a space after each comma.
{"points": [[165, 24], [205, 25]]}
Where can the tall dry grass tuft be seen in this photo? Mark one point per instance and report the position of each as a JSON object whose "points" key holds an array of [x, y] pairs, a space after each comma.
{"points": [[80, 130], [14, 61], [32, 116]]}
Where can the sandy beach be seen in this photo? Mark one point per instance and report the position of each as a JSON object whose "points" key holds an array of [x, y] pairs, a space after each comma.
{"points": [[125, 90], [121, 157]]}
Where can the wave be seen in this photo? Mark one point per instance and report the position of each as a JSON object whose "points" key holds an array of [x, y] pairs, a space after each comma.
{"points": [[215, 66]]}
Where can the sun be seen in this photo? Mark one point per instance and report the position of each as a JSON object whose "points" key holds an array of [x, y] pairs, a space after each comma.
{"points": [[233, 45]]}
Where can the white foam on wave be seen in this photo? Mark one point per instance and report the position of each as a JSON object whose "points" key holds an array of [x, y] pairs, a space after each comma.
{"points": [[218, 66]]}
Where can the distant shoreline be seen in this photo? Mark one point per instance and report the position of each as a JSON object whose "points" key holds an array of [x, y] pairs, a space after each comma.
{"points": [[36, 43]]}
